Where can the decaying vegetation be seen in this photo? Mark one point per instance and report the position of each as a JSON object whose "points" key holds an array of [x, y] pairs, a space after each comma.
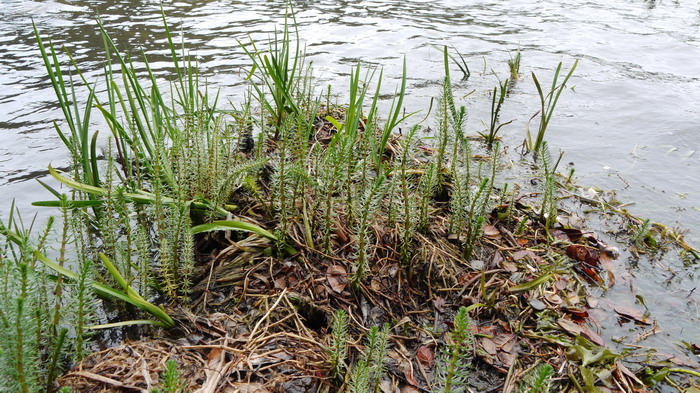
{"points": [[294, 244]]}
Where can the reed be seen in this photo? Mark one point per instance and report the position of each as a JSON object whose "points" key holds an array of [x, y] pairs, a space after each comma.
{"points": [[547, 104], [281, 67], [497, 98]]}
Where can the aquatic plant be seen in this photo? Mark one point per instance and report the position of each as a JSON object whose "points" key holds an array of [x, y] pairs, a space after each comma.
{"points": [[514, 65], [288, 188], [547, 102], [281, 67], [497, 97]]}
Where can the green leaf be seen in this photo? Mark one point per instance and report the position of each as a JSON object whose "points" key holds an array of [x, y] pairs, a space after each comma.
{"points": [[530, 284], [69, 203], [233, 225], [335, 123], [102, 290]]}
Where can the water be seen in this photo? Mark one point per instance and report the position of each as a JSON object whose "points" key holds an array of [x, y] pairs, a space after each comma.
{"points": [[630, 122]]}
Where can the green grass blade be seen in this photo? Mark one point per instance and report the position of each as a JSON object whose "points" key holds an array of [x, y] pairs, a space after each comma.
{"points": [[235, 225]]}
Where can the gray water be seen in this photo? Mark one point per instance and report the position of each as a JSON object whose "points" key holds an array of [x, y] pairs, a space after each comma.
{"points": [[630, 121]]}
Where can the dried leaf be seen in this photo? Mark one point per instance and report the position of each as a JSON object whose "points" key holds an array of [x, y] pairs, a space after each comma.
{"points": [[489, 346], [425, 356], [553, 298], [337, 278], [592, 301], [537, 304], [570, 327], [593, 336], [387, 387], [439, 304], [587, 255], [491, 231], [506, 358]]}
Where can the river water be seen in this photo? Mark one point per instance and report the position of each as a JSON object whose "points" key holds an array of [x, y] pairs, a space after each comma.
{"points": [[630, 121]]}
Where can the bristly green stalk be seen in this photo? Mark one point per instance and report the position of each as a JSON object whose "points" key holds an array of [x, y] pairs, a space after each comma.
{"points": [[426, 189], [83, 314], [470, 205], [539, 380], [377, 343], [360, 379], [339, 343], [24, 343], [549, 209], [409, 224], [369, 370], [547, 102], [367, 208], [456, 359], [171, 379]]}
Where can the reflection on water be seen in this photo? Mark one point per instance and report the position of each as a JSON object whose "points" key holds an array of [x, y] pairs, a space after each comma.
{"points": [[631, 120]]}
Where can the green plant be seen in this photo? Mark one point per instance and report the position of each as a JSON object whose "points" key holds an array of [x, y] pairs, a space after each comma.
{"points": [[549, 209], [455, 359], [368, 205], [470, 203], [538, 380], [171, 379], [497, 98], [547, 102], [339, 343], [642, 236], [409, 202], [369, 370], [281, 66], [36, 317], [514, 66]]}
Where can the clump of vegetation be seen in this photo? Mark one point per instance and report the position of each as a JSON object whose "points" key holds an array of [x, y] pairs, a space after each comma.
{"points": [[514, 66]]}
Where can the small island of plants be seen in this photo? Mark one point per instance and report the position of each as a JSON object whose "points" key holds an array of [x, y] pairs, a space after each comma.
{"points": [[290, 243]]}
